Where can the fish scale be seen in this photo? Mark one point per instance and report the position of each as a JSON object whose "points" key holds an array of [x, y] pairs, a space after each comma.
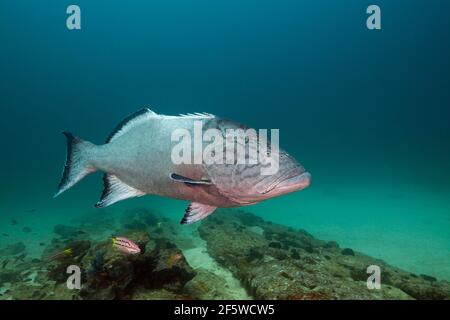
{"points": [[137, 160]]}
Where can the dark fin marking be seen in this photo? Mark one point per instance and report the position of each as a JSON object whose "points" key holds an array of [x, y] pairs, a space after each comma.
{"points": [[115, 190], [196, 211], [128, 120], [178, 178], [77, 163]]}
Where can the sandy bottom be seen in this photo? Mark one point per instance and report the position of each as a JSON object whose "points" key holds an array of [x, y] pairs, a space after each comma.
{"points": [[197, 256]]}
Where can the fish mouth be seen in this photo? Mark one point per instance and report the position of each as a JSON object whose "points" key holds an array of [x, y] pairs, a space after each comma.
{"points": [[297, 182], [294, 180]]}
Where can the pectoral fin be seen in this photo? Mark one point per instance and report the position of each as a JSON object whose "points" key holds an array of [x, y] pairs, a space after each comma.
{"points": [[178, 178], [115, 190], [196, 211]]}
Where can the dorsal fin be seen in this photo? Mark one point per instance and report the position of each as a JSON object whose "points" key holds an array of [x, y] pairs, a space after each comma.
{"points": [[130, 121], [197, 115], [115, 190]]}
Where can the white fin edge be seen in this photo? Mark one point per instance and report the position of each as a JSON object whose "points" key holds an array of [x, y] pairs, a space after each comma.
{"points": [[196, 211], [115, 190], [131, 122]]}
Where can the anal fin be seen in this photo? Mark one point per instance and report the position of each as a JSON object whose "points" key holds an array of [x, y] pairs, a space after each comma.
{"points": [[197, 211], [115, 190]]}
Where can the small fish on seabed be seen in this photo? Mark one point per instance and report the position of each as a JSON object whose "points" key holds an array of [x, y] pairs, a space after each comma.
{"points": [[14, 222], [65, 253], [26, 229], [173, 259], [5, 234], [125, 245]]}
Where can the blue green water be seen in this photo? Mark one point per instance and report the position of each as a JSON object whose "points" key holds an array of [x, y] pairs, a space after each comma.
{"points": [[366, 112]]}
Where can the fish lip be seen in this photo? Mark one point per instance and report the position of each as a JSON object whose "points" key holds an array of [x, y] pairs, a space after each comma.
{"points": [[299, 181], [292, 174]]}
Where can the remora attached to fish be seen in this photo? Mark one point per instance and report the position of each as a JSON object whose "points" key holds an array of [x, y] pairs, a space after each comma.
{"points": [[136, 159]]}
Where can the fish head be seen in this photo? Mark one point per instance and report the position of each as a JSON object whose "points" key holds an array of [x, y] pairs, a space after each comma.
{"points": [[266, 172], [289, 177], [246, 184]]}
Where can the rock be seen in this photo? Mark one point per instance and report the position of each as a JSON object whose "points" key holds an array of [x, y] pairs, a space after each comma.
{"points": [[208, 286], [271, 261], [419, 290], [13, 249], [66, 232], [331, 244], [110, 273], [275, 245], [8, 276], [294, 254], [160, 271], [428, 278], [248, 219], [254, 254], [115, 275], [348, 252], [169, 273], [159, 294], [57, 267], [287, 264]]}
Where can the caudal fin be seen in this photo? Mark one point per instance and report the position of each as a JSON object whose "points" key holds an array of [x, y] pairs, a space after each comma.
{"points": [[77, 162]]}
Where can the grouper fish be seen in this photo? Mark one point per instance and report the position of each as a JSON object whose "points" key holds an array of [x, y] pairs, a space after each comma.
{"points": [[136, 160]]}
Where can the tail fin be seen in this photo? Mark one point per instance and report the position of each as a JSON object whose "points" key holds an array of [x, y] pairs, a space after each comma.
{"points": [[77, 162]]}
